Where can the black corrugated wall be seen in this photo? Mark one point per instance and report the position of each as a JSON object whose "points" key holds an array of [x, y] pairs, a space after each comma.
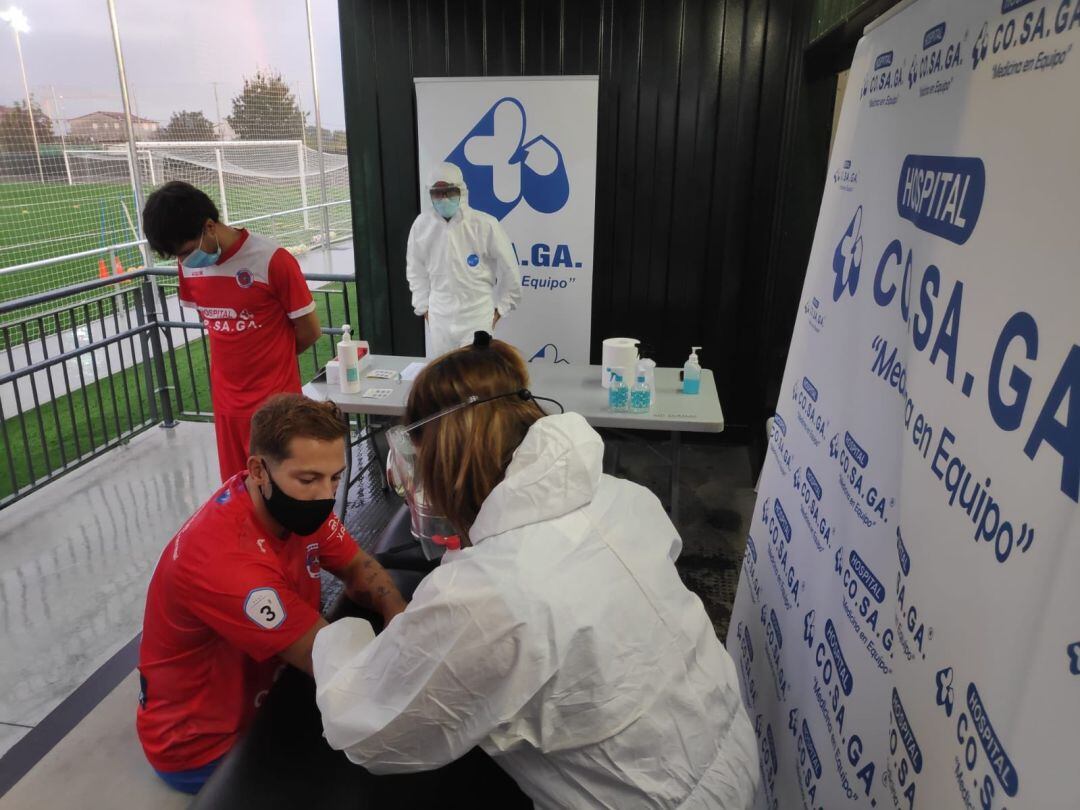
{"points": [[695, 99]]}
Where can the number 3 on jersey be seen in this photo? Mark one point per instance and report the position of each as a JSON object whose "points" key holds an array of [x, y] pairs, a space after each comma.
{"points": [[263, 606]]}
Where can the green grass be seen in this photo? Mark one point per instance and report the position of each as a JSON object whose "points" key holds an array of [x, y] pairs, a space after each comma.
{"points": [[46, 221], [117, 407]]}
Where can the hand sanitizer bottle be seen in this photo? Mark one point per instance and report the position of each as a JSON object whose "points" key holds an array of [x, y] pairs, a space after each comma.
{"points": [[349, 365], [640, 395], [618, 393], [691, 378]]}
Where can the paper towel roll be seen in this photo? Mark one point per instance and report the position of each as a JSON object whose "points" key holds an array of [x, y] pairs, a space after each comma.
{"points": [[618, 353]]}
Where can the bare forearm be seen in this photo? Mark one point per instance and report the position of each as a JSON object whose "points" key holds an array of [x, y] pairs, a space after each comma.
{"points": [[371, 587]]}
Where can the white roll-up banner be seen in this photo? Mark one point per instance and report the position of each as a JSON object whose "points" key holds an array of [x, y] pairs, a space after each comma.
{"points": [[527, 150], [907, 625]]}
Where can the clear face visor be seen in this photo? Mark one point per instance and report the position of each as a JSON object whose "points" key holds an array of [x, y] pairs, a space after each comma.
{"points": [[434, 532]]}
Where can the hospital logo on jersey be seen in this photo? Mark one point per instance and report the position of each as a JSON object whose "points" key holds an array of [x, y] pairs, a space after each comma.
{"points": [[217, 313], [503, 166], [263, 606], [244, 278], [311, 561], [473, 260]]}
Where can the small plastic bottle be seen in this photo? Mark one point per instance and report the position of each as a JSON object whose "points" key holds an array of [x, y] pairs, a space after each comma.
{"points": [[648, 368], [618, 393], [349, 366], [640, 395], [691, 380]]}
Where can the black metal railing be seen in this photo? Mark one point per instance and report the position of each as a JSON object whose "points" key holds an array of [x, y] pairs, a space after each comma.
{"points": [[92, 365]]}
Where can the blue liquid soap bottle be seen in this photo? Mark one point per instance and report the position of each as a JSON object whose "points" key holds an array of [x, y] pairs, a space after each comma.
{"points": [[691, 375], [618, 393], [640, 395]]}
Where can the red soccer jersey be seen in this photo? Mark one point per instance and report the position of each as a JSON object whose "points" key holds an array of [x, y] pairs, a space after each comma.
{"points": [[247, 301], [225, 598]]}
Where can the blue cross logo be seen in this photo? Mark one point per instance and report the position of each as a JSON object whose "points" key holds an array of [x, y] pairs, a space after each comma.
{"points": [[501, 168]]}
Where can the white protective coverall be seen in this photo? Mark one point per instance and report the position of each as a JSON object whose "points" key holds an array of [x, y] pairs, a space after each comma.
{"points": [[562, 642], [459, 271]]}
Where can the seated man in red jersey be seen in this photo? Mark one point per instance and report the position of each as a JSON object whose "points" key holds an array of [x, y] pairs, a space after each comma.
{"points": [[236, 592]]}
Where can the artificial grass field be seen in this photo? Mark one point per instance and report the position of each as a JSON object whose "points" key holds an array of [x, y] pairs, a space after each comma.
{"points": [[41, 221]]}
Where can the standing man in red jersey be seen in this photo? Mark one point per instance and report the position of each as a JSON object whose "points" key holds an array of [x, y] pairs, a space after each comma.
{"points": [[253, 301]]}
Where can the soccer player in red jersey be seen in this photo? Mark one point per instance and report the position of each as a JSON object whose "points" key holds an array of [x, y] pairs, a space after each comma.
{"points": [[252, 299], [235, 594]]}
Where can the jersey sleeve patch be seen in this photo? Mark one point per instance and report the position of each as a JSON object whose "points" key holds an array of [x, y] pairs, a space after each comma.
{"points": [[263, 606]]}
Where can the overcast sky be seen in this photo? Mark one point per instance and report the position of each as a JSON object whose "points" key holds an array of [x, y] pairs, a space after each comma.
{"points": [[174, 52]]}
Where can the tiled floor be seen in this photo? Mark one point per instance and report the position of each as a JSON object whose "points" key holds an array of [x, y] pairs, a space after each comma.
{"points": [[75, 560]]}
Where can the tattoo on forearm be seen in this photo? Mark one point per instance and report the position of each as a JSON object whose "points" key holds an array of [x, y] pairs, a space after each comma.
{"points": [[374, 585]]}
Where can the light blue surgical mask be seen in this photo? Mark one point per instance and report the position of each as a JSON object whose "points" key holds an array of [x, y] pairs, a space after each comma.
{"points": [[446, 208], [200, 258]]}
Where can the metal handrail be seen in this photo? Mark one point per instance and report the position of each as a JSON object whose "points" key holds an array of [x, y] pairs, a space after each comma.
{"points": [[137, 376], [67, 292], [74, 354], [70, 256], [48, 313], [88, 286]]}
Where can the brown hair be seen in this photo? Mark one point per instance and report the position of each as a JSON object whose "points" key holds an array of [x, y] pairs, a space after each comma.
{"points": [[462, 456], [283, 417]]}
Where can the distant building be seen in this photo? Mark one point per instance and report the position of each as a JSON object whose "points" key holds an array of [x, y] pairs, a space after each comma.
{"points": [[109, 127], [224, 132]]}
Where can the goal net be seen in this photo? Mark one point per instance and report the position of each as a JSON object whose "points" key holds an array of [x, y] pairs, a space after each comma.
{"points": [[269, 186]]}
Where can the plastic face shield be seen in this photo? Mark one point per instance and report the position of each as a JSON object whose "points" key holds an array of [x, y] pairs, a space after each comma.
{"points": [[433, 531]]}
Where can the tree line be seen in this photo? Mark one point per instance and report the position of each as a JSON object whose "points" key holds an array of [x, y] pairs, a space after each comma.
{"points": [[266, 109]]}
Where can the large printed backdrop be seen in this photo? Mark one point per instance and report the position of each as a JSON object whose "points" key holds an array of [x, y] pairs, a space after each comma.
{"points": [[907, 627], [527, 150]]}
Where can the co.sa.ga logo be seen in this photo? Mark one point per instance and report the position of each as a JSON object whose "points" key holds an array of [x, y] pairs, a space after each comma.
{"points": [[846, 176], [501, 168], [549, 354]]}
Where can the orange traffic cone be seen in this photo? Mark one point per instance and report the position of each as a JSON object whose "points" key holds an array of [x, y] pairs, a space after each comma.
{"points": [[102, 270], [118, 268]]}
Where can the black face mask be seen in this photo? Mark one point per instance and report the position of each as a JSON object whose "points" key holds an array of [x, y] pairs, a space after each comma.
{"points": [[299, 517]]}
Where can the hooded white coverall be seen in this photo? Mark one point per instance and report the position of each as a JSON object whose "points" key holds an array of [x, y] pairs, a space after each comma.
{"points": [[460, 272], [562, 642]]}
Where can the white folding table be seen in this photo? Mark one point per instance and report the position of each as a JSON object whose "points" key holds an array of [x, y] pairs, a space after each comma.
{"points": [[576, 387]]}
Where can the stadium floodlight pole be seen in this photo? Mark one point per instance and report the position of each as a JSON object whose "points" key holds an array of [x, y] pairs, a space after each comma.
{"points": [[58, 113], [318, 133], [217, 109], [133, 154], [20, 25]]}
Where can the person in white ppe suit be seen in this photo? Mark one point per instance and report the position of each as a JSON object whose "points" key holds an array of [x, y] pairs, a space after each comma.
{"points": [[460, 265], [556, 633]]}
